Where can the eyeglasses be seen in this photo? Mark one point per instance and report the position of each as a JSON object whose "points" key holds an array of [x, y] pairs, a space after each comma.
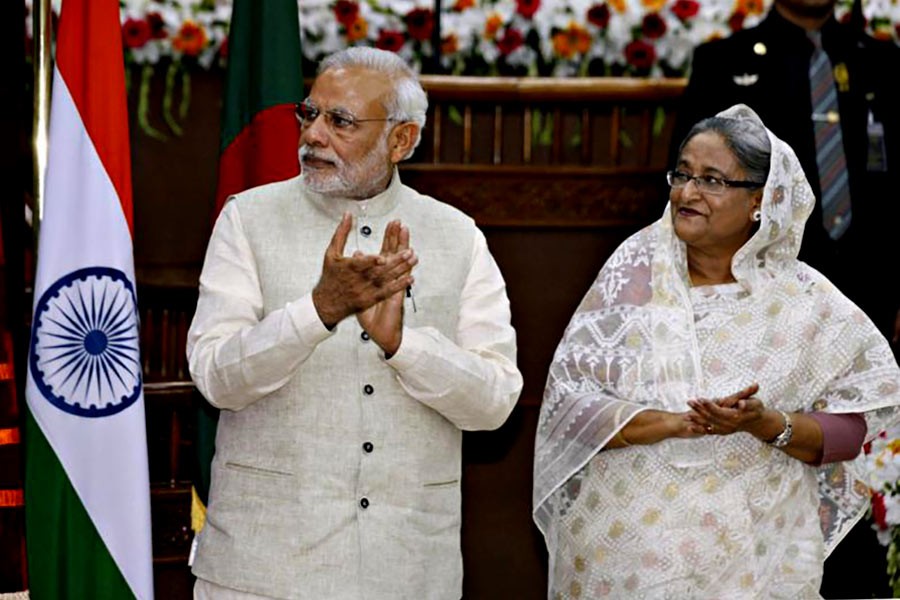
{"points": [[707, 184], [338, 121]]}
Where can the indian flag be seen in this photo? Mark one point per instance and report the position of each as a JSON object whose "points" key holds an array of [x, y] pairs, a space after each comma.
{"points": [[87, 499]]}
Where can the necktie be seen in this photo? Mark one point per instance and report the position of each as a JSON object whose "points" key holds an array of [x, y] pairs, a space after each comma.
{"points": [[830, 158]]}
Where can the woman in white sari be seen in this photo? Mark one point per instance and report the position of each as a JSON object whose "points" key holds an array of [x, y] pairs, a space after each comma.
{"points": [[702, 423]]}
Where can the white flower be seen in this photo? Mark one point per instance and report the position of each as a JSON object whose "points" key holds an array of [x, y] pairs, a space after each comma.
{"points": [[466, 19]]}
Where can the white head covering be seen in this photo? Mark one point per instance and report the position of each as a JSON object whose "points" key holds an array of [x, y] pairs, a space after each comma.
{"points": [[642, 338]]}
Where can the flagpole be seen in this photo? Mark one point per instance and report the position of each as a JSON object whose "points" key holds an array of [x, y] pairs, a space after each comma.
{"points": [[42, 72], [436, 39]]}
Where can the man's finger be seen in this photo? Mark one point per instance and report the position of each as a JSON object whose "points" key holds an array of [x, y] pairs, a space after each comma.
{"points": [[393, 287], [403, 242], [339, 239], [398, 264], [389, 243], [361, 263]]}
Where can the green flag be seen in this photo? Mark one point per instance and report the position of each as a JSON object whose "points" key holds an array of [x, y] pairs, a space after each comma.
{"points": [[262, 84], [259, 138]]}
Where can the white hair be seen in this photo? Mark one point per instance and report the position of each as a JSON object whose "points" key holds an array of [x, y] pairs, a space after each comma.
{"points": [[408, 102]]}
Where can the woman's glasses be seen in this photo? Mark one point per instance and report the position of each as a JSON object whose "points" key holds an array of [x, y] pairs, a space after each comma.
{"points": [[707, 184]]}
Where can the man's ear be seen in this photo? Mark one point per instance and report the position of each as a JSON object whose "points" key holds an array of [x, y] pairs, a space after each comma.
{"points": [[402, 140]]}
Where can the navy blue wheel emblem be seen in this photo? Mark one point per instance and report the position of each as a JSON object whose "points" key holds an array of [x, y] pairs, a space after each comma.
{"points": [[84, 355]]}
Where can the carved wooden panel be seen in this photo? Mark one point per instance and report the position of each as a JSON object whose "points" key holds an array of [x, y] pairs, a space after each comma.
{"points": [[517, 197]]}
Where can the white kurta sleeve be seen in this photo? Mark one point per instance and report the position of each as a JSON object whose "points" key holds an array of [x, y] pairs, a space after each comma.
{"points": [[474, 381], [235, 355]]}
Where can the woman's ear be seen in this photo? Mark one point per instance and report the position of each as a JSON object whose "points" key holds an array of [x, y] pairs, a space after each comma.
{"points": [[402, 140], [756, 207]]}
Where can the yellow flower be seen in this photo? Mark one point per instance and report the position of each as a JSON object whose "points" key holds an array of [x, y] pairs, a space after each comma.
{"points": [[653, 5], [450, 44], [358, 30], [750, 7], [190, 39], [492, 25], [619, 5]]}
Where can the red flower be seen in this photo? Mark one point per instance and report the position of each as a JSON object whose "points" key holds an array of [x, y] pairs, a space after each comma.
{"points": [[512, 39], [420, 23], [598, 14], [346, 12], [879, 512], [223, 49], [640, 54], [135, 33], [391, 41], [157, 26], [653, 27], [736, 22], [685, 9], [527, 8]]}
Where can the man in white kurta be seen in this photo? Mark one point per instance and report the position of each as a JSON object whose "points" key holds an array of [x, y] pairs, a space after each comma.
{"points": [[346, 364]]}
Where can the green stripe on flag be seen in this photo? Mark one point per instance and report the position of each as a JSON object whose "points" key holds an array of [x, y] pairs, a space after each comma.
{"points": [[264, 62], [66, 557]]}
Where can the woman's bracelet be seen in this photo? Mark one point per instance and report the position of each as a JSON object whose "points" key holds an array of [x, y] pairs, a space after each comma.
{"points": [[784, 438], [621, 438]]}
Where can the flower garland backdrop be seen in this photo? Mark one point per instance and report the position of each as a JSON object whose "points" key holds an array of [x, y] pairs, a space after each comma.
{"points": [[478, 37], [552, 38]]}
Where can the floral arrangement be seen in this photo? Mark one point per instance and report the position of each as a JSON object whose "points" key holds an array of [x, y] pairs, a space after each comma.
{"points": [[558, 38], [477, 37], [883, 468]]}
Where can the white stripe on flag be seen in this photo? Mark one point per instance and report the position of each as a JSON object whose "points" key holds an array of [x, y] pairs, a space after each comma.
{"points": [[106, 457]]}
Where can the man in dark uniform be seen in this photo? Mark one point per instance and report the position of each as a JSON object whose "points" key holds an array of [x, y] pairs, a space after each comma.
{"points": [[767, 67]]}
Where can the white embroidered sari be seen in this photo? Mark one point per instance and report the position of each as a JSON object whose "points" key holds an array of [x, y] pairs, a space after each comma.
{"points": [[715, 516]]}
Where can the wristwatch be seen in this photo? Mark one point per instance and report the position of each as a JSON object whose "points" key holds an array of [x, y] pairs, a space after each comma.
{"points": [[784, 438]]}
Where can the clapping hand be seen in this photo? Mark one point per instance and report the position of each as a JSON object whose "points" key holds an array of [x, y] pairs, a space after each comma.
{"points": [[352, 284], [384, 320]]}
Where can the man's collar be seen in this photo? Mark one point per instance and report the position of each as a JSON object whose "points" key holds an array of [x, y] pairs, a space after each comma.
{"points": [[778, 21], [376, 206]]}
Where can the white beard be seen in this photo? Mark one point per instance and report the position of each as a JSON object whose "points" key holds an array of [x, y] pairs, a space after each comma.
{"points": [[360, 180]]}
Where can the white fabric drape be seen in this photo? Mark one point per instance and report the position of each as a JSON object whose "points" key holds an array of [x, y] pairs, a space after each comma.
{"points": [[715, 516]]}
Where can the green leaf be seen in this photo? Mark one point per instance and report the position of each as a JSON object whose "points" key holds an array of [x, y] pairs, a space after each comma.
{"points": [[546, 136], [659, 121], [174, 66], [143, 108], [185, 95], [454, 115], [575, 140]]}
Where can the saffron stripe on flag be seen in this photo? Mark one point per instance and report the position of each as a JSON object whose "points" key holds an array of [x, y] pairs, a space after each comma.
{"points": [[86, 474]]}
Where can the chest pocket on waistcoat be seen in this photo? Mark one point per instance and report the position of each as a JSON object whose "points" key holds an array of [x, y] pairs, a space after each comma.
{"points": [[438, 311]]}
